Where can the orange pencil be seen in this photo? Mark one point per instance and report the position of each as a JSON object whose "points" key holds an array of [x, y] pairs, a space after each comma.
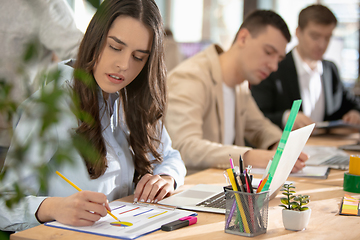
{"points": [[262, 184]]}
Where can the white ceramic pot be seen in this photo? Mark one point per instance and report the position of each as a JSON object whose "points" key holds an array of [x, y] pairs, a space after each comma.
{"points": [[295, 220]]}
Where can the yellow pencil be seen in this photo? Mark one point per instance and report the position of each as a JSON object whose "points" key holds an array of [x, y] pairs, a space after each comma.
{"points": [[79, 189], [237, 197]]}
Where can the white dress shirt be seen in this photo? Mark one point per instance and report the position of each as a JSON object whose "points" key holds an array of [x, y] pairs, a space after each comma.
{"points": [[116, 182], [311, 89]]}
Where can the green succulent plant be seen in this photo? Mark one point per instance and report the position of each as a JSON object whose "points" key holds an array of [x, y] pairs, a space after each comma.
{"points": [[292, 201]]}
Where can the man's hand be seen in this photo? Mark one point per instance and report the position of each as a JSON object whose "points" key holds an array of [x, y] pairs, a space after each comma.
{"points": [[259, 158], [300, 163], [301, 121], [352, 117]]}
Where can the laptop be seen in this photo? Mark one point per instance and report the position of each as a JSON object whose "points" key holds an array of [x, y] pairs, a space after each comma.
{"points": [[211, 198], [351, 147], [327, 156], [196, 197], [202, 197]]}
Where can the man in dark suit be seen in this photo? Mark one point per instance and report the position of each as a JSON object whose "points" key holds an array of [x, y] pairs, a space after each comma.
{"points": [[304, 74]]}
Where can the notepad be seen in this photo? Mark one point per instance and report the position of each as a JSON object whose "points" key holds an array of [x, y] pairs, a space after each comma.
{"points": [[135, 220], [350, 206]]}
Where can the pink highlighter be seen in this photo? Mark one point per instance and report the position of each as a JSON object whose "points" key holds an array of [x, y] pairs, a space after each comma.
{"points": [[182, 222]]}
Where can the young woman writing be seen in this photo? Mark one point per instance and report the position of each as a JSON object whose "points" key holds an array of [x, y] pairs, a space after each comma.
{"points": [[122, 53]]}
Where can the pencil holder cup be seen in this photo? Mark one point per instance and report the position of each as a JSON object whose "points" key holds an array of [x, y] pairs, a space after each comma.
{"points": [[246, 213]]}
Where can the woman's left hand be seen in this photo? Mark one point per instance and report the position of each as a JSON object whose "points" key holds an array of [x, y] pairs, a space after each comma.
{"points": [[153, 188]]}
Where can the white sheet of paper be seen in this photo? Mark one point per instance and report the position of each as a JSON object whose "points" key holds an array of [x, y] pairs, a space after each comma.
{"points": [[293, 147], [145, 218]]}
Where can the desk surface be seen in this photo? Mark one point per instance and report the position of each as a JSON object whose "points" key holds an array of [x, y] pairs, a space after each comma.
{"points": [[336, 139], [325, 223]]}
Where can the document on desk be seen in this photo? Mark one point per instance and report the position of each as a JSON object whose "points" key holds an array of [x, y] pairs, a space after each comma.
{"points": [[135, 220], [327, 156], [308, 172], [336, 124]]}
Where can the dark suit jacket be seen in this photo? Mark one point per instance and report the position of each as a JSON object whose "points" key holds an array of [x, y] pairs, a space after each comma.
{"points": [[276, 94]]}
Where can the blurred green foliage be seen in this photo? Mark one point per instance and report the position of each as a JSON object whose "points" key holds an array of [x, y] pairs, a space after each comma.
{"points": [[95, 3], [4, 235], [49, 99]]}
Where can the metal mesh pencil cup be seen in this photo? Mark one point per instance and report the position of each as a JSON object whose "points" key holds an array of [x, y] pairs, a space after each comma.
{"points": [[246, 213]]}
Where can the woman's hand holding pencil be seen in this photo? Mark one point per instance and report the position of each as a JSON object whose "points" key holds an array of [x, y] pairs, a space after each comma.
{"points": [[80, 209], [83, 208]]}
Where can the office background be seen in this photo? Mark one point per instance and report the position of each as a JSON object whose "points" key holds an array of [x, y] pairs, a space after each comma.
{"points": [[198, 23]]}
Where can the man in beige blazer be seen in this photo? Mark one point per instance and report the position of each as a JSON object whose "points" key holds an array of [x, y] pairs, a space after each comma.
{"points": [[211, 110]]}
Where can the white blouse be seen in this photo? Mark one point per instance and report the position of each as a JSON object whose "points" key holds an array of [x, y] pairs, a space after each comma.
{"points": [[116, 182]]}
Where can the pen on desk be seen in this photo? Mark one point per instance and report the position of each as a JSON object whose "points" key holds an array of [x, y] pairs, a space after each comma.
{"points": [[241, 164], [238, 179], [234, 172], [232, 210], [262, 184], [261, 180], [249, 181], [231, 162], [231, 214], [79, 189], [242, 181], [250, 200], [235, 178], [182, 222]]}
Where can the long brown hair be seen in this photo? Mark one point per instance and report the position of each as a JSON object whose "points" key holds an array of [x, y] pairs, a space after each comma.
{"points": [[143, 99]]}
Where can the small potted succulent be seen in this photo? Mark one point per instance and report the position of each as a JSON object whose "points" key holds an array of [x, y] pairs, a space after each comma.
{"points": [[295, 215]]}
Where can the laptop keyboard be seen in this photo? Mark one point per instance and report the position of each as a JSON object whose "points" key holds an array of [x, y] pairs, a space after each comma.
{"points": [[337, 160], [217, 201]]}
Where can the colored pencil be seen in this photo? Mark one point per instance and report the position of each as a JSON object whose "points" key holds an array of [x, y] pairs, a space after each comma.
{"points": [[79, 189]]}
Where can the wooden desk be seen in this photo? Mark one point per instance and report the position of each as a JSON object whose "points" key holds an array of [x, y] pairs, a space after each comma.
{"points": [[336, 139], [325, 223]]}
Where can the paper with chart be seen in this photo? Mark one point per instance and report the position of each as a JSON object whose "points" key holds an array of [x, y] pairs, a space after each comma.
{"points": [[135, 220]]}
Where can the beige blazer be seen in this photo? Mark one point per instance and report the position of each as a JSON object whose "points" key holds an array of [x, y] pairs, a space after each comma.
{"points": [[195, 114]]}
